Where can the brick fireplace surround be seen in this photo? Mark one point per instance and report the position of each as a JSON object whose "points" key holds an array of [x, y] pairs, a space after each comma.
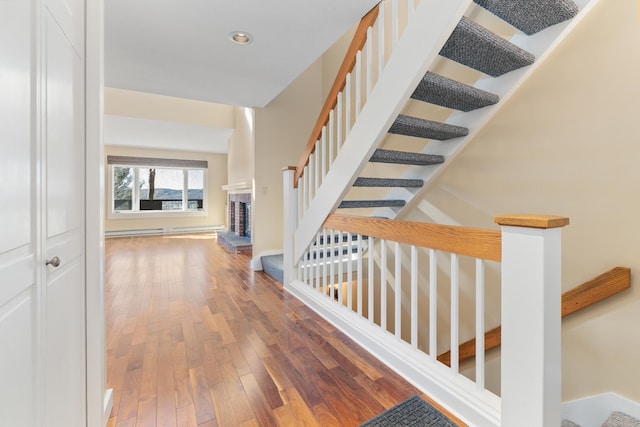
{"points": [[237, 220]]}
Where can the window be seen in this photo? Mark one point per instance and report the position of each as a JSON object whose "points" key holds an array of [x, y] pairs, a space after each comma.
{"points": [[157, 186]]}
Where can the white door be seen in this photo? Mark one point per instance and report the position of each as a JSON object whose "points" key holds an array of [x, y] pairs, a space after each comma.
{"points": [[63, 225], [42, 308]]}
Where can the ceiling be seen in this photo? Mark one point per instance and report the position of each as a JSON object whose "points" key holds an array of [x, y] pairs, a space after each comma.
{"points": [[181, 48]]}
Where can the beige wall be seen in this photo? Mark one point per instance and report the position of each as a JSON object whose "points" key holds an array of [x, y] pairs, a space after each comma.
{"points": [[241, 154], [567, 144], [216, 177], [281, 132], [150, 106]]}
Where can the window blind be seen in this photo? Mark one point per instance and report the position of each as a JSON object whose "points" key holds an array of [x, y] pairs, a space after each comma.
{"points": [[152, 161]]}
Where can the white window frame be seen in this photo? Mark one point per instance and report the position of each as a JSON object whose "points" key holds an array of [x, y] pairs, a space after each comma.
{"points": [[136, 213]]}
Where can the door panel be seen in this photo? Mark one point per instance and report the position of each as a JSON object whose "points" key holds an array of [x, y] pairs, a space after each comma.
{"points": [[18, 304], [17, 323], [15, 124], [64, 300], [64, 184], [69, 14], [65, 368]]}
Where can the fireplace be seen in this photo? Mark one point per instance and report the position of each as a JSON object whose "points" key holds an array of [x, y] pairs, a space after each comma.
{"points": [[240, 214]]}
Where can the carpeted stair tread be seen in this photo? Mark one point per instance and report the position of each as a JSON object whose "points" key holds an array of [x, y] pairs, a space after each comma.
{"points": [[422, 128], [273, 266], [354, 204], [388, 182], [531, 16], [406, 158], [472, 45], [620, 419], [439, 90]]}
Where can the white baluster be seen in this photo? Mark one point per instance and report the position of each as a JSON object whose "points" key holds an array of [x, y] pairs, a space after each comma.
{"points": [[312, 177], [414, 297], [324, 261], [398, 291], [369, 59], [339, 136], [305, 190], [381, 44], [350, 271], [383, 284], [317, 284], [306, 268], [347, 101], [394, 23], [340, 269], [479, 324], [455, 285], [316, 178], [333, 268], [358, 83], [359, 274], [323, 152], [331, 138], [302, 196], [433, 306], [370, 279]]}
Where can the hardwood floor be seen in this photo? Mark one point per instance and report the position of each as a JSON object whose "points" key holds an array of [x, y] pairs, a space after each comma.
{"points": [[195, 338]]}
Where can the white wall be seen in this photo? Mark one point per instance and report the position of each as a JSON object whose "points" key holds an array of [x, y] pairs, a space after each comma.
{"points": [[567, 144]]}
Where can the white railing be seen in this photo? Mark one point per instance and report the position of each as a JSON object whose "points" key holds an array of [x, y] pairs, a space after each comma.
{"points": [[382, 66], [373, 44], [409, 292]]}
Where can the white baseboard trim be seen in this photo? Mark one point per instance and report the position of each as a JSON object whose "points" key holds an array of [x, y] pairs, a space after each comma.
{"points": [[163, 231], [108, 405], [256, 261], [592, 411]]}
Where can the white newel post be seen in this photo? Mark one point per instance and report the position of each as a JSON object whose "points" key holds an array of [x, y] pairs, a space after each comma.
{"points": [[531, 293], [290, 218]]}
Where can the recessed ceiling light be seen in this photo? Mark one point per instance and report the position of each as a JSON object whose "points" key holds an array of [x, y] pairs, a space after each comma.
{"points": [[240, 37]]}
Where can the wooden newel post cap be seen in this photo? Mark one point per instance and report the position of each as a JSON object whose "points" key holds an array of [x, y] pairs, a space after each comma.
{"points": [[532, 221]]}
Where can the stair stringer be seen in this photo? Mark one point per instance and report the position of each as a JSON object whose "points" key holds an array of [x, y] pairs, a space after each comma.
{"points": [[432, 23], [541, 45]]}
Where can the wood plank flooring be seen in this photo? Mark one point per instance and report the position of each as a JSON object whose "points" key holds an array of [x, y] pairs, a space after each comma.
{"points": [[195, 338]]}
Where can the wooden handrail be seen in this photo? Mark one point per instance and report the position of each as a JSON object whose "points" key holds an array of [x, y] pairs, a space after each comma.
{"points": [[597, 289], [359, 39], [475, 242]]}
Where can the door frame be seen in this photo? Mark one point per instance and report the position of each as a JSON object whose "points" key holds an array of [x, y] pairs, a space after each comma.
{"points": [[99, 399]]}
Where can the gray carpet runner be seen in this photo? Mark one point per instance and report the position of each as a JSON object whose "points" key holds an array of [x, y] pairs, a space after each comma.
{"points": [[406, 158], [413, 412], [388, 182], [439, 90], [531, 16], [472, 45], [421, 128], [273, 266], [355, 204]]}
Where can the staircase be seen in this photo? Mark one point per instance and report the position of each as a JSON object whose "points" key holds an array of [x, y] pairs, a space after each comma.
{"points": [[369, 139], [429, 99], [476, 48]]}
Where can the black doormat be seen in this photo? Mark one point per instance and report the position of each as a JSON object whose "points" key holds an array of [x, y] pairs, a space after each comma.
{"points": [[413, 412]]}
